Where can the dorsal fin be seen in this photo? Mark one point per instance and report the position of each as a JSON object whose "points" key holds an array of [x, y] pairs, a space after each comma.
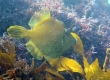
{"points": [[39, 16]]}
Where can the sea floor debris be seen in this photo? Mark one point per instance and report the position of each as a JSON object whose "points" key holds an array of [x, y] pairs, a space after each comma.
{"points": [[48, 70]]}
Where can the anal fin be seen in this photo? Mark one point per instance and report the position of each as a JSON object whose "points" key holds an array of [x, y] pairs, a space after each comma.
{"points": [[35, 52]]}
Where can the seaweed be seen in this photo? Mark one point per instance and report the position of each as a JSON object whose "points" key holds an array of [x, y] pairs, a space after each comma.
{"points": [[7, 54], [55, 69]]}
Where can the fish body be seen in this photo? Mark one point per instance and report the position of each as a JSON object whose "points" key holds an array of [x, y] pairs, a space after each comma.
{"points": [[47, 36], [50, 39]]}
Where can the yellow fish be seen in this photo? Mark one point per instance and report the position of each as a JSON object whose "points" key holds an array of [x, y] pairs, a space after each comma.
{"points": [[47, 36]]}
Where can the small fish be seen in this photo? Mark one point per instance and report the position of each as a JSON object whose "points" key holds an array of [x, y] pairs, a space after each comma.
{"points": [[47, 36]]}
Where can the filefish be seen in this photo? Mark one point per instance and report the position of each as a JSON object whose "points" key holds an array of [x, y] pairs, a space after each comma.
{"points": [[47, 36]]}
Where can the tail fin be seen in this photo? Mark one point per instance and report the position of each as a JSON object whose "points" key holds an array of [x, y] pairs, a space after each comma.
{"points": [[78, 47], [17, 31]]}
